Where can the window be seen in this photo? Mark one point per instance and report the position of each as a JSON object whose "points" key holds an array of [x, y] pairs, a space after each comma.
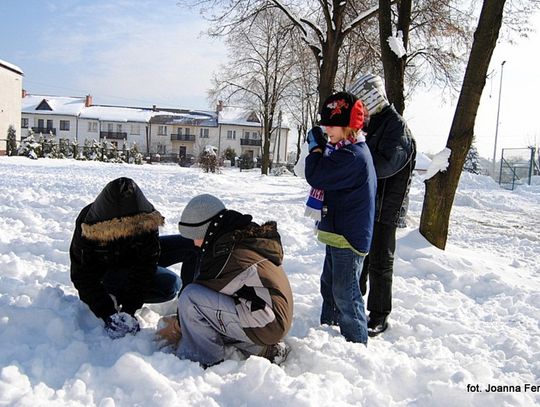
{"points": [[24, 123], [41, 123], [204, 133], [187, 131], [162, 130], [64, 125], [50, 124], [231, 134], [110, 127], [92, 127], [135, 129], [119, 128]]}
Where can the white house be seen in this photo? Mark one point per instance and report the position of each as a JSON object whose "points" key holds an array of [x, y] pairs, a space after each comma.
{"points": [[10, 101], [56, 115], [180, 133]]}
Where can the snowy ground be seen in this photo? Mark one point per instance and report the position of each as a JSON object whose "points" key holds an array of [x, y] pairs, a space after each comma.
{"points": [[462, 317]]}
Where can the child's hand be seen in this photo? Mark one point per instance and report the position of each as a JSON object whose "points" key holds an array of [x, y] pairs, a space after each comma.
{"points": [[316, 139]]}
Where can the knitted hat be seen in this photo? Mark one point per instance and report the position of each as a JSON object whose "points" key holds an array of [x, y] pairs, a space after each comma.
{"points": [[369, 89], [197, 215], [342, 109]]}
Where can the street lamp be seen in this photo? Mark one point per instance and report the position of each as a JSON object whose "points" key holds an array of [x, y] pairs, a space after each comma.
{"points": [[497, 124]]}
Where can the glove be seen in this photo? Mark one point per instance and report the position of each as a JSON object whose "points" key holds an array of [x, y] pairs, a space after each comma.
{"points": [[316, 139], [120, 324]]}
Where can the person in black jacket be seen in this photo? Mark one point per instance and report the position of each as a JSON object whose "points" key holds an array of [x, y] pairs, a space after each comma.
{"points": [[118, 259], [394, 151]]}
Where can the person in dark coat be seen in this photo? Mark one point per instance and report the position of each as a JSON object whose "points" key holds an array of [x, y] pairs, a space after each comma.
{"points": [[241, 295], [118, 259], [393, 150], [342, 201]]}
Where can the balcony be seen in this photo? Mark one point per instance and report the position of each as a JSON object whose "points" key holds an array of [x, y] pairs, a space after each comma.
{"points": [[44, 130], [113, 135], [250, 142], [183, 137]]}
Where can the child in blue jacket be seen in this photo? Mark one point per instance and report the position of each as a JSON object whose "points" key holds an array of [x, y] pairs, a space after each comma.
{"points": [[342, 200]]}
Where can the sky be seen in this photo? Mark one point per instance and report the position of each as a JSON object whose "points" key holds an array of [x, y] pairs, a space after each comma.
{"points": [[153, 52]]}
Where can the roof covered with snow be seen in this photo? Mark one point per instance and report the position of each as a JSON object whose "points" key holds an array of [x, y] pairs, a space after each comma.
{"points": [[187, 118], [117, 114], [54, 105], [11, 67]]}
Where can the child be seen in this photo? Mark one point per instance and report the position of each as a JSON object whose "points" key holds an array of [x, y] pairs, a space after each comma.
{"points": [[241, 295], [118, 260], [343, 178]]}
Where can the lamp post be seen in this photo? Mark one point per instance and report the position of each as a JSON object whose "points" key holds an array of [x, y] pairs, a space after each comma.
{"points": [[497, 124]]}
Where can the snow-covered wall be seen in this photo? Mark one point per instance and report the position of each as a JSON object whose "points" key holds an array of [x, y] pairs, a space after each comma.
{"points": [[10, 101]]}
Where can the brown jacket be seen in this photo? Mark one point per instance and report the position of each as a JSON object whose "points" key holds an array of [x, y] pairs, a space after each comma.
{"points": [[245, 263]]}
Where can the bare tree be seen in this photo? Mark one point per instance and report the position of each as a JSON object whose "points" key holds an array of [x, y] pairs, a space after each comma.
{"points": [[323, 25], [258, 73], [441, 188]]}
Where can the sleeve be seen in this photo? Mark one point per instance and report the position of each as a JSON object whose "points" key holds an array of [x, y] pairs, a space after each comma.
{"points": [[146, 249], [333, 172], [393, 150], [86, 275]]}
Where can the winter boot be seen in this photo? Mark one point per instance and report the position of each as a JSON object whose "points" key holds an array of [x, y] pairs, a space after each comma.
{"points": [[276, 353]]}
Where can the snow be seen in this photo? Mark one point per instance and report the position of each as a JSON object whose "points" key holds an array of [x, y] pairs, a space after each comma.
{"points": [[396, 44], [11, 66], [438, 163], [118, 114], [61, 105], [465, 316]]}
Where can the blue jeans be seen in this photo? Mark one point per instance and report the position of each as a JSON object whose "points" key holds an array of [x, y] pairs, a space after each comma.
{"points": [[342, 302], [209, 321]]}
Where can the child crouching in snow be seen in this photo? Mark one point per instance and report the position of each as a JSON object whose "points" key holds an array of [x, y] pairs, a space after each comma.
{"points": [[342, 201], [241, 295]]}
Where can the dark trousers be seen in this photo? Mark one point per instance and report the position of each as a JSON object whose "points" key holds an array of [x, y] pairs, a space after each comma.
{"points": [[177, 249], [379, 265], [165, 284]]}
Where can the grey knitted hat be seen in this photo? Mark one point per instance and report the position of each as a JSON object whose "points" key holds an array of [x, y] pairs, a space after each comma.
{"points": [[369, 89], [197, 214]]}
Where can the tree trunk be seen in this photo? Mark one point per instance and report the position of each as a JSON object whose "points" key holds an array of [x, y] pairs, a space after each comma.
{"points": [[441, 189], [394, 67], [328, 68]]}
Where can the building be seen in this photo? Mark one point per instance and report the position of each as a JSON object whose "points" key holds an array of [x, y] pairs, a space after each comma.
{"points": [[179, 134], [10, 101]]}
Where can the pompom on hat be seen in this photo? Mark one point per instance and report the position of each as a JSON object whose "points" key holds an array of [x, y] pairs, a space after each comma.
{"points": [[198, 214], [342, 109]]}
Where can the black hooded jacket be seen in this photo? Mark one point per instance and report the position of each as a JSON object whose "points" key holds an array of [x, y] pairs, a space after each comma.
{"points": [[393, 149], [117, 233]]}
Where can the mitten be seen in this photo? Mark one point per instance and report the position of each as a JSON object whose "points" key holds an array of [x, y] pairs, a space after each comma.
{"points": [[120, 324], [316, 139]]}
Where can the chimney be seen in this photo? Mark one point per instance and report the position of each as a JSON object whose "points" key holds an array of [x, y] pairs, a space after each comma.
{"points": [[154, 108], [219, 106], [88, 101], [24, 93]]}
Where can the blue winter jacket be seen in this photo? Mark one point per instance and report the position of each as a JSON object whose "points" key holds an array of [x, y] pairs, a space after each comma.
{"points": [[348, 179]]}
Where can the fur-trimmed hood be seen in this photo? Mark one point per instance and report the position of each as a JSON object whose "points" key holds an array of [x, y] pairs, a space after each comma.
{"points": [[124, 227], [121, 210]]}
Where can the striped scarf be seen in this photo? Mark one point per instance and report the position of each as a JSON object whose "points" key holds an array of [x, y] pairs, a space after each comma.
{"points": [[314, 204]]}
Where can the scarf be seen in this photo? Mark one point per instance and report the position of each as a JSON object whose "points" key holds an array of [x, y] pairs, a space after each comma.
{"points": [[314, 204]]}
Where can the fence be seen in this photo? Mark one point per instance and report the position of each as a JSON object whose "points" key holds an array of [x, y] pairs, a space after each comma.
{"points": [[517, 166]]}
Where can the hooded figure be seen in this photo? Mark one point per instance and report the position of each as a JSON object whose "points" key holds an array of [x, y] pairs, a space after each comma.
{"points": [[241, 294], [115, 251]]}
